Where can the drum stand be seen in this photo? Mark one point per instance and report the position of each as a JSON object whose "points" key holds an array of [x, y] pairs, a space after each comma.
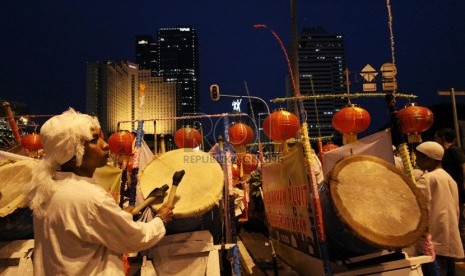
{"points": [[16, 257], [384, 263]]}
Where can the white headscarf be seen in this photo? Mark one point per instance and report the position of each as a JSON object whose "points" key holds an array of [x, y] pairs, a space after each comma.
{"points": [[63, 137]]}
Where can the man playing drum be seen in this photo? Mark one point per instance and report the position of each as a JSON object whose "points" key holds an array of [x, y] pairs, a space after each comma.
{"points": [[442, 198], [78, 227]]}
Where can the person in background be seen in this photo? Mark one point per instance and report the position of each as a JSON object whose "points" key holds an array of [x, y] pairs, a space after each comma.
{"points": [[78, 227], [397, 159], [441, 194], [454, 163]]}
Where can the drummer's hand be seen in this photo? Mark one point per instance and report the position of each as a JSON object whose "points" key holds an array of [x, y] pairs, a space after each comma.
{"points": [[177, 177], [165, 213], [158, 192]]}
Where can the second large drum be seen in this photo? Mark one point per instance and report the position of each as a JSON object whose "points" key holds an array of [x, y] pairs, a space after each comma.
{"points": [[371, 205]]}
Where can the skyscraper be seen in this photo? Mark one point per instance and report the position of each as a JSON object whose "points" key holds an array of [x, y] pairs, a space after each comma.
{"points": [[113, 96], [321, 71], [174, 56], [178, 62], [111, 90], [160, 103], [146, 54]]}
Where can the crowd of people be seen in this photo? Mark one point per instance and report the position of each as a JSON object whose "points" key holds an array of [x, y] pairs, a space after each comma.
{"points": [[80, 230]]}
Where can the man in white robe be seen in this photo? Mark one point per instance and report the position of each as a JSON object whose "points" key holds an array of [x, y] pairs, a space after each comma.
{"points": [[78, 227], [442, 199]]}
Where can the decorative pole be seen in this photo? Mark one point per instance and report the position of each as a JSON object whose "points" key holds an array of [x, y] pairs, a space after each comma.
{"points": [[308, 154], [139, 138], [11, 121]]}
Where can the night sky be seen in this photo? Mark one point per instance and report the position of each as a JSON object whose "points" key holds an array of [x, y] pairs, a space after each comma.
{"points": [[45, 45]]}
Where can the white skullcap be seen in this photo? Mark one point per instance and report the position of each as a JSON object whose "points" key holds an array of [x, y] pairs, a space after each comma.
{"points": [[431, 149], [63, 137]]}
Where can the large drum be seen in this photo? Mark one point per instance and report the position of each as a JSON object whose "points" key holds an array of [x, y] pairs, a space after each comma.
{"points": [[15, 217], [198, 194], [371, 205]]}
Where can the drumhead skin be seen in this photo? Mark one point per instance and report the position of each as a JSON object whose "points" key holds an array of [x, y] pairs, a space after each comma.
{"points": [[378, 202], [14, 176], [200, 189]]}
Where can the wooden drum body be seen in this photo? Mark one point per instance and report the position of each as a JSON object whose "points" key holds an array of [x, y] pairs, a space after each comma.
{"points": [[15, 217], [371, 205]]}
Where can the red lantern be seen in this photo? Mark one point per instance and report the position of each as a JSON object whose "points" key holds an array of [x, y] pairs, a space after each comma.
{"points": [[240, 134], [281, 125], [121, 142], [329, 147], [415, 119], [187, 137], [324, 149], [350, 121], [31, 142], [248, 161]]}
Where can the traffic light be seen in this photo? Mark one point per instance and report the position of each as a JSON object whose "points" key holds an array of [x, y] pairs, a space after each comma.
{"points": [[214, 92]]}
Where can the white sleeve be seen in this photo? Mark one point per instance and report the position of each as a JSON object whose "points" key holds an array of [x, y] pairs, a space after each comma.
{"points": [[423, 185], [114, 228]]}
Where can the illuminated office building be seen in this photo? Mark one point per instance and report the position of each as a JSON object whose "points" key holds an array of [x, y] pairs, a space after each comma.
{"points": [[321, 71], [146, 54], [160, 103], [178, 58], [174, 56], [113, 96]]}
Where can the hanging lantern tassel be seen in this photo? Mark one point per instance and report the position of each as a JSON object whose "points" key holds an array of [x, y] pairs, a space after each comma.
{"points": [[350, 121], [414, 120]]}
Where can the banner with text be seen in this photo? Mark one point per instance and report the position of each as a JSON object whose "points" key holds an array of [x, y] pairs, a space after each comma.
{"points": [[287, 202]]}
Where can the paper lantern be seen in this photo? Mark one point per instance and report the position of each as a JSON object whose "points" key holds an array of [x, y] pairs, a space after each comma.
{"points": [[329, 147], [31, 142], [322, 149], [240, 134], [281, 125], [187, 137], [414, 120], [248, 161], [121, 142], [350, 121]]}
